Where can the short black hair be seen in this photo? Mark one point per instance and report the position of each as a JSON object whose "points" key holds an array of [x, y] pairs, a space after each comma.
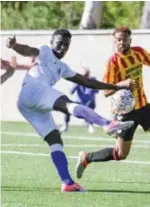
{"points": [[122, 29], [63, 32]]}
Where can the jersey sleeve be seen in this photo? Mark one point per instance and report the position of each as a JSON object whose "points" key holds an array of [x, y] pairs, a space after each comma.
{"points": [[146, 57], [144, 54], [67, 72], [110, 75]]}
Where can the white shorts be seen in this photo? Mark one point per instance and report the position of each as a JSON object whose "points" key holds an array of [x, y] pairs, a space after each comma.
{"points": [[35, 103]]}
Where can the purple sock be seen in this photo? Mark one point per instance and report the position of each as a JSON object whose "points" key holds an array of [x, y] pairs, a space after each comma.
{"points": [[61, 164], [90, 116]]}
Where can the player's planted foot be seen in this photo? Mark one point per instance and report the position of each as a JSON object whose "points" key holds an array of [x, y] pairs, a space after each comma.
{"points": [[81, 164], [116, 126], [75, 187]]}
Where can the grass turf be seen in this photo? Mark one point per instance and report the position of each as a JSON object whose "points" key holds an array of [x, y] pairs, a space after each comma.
{"points": [[30, 180]]}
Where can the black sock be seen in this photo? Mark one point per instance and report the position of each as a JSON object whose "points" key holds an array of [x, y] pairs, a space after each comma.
{"points": [[103, 155]]}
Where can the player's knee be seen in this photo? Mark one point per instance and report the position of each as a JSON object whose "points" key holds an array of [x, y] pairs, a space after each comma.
{"points": [[119, 155], [122, 155], [61, 104], [53, 138]]}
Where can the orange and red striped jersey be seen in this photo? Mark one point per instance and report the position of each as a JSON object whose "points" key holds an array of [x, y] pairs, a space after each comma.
{"points": [[121, 67]]}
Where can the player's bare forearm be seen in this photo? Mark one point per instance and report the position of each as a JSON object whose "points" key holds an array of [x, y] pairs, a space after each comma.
{"points": [[92, 83], [23, 67], [25, 50], [129, 83], [109, 92]]}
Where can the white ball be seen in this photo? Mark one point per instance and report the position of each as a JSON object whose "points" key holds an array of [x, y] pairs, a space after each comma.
{"points": [[122, 102]]}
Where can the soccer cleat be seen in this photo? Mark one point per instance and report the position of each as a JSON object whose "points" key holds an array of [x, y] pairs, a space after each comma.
{"points": [[116, 126], [81, 164], [72, 188]]}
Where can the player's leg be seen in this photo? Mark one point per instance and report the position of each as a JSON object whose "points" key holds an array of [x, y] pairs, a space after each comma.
{"points": [[122, 148], [91, 105], [65, 125], [65, 105], [119, 152], [44, 125], [37, 113], [60, 161], [124, 141], [145, 118]]}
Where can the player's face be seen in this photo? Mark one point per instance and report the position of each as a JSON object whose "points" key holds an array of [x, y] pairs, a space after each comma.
{"points": [[122, 41], [60, 45]]}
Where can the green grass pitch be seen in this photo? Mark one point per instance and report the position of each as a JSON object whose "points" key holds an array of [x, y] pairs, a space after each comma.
{"points": [[29, 179]]}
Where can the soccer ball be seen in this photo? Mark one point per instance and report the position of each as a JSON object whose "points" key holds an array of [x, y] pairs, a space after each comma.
{"points": [[122, 102]]}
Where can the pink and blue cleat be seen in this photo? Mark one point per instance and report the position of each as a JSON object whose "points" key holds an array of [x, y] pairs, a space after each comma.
{"points": [[75, 187]]}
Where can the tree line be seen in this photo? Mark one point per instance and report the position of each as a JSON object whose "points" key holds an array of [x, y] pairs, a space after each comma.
{"points": [[66, 14]]}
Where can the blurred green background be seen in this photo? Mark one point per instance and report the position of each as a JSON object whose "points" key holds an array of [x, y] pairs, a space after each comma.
{"points": [[67, 14]]}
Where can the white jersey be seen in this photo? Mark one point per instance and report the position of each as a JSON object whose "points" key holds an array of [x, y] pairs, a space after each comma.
{"points": [[48, 68]]}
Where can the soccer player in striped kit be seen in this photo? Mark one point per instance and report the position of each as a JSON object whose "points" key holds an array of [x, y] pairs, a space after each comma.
{"points": [[124, 67]]}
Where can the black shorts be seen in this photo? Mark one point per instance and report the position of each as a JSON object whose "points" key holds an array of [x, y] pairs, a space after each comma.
{"points": [[140, 117]]}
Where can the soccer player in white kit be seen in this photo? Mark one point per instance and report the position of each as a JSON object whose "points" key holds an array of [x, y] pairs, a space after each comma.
{"points": [[38, 98]]}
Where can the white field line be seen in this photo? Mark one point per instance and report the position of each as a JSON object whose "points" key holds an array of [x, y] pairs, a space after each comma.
{"points": [[70, 157], [92, 138], [71, 145]]}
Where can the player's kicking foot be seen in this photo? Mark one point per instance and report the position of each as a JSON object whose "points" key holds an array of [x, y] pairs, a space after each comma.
{"points": [[116, 126], [72, 188], [81, 164]]}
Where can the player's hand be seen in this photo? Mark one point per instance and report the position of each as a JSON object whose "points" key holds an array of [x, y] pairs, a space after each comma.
{"points": [[11, 41], [128, 84], [12, 66], [13, 62]]}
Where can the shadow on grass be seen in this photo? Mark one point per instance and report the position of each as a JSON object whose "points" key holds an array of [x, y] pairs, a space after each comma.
{"points": [[28, 189], [126, 182], [36, 189], [119, 191]]}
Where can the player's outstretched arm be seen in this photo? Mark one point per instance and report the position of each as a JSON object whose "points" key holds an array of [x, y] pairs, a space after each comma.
{"points": [[128, 82], [93, 83], [13, 65], [21, 49]]}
